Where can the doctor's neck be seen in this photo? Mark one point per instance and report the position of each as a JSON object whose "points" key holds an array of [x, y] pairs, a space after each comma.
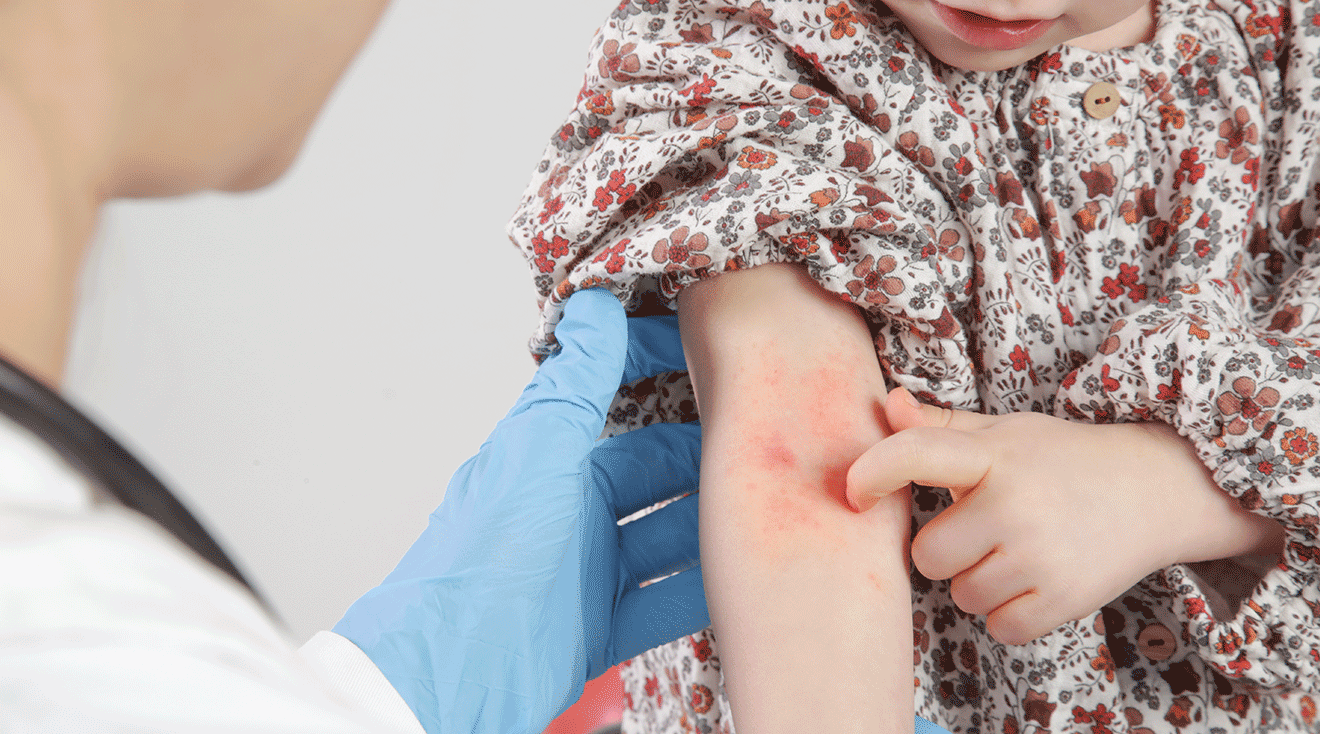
{"points": [[102, 99]]}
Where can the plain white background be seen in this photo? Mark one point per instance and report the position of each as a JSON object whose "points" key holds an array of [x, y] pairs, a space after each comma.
{"points": [[306, 366]]}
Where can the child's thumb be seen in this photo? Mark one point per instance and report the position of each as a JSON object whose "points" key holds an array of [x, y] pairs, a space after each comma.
{"points": [[904, 411]]}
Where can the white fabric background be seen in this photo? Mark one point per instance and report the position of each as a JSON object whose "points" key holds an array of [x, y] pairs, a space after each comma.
{"points": [[306, 366]]}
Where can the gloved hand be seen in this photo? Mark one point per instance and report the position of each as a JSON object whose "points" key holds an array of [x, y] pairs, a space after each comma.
{"points": [[925, 727], [523, 586]]}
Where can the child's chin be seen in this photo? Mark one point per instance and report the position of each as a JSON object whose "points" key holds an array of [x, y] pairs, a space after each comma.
{"points": [[985, 60]]}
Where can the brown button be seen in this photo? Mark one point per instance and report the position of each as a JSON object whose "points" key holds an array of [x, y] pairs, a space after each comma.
{"points": [[1157, 643], [1101, 100]]}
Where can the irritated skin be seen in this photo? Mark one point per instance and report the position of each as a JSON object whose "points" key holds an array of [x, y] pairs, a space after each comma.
{"points": [[810, 601]]}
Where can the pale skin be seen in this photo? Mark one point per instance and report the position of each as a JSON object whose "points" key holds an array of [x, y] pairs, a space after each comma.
{"points": [[101, 99], [809, 600]]}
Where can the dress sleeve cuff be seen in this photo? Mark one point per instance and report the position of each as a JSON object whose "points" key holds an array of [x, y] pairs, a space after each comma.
{"points": [[351, 676]]}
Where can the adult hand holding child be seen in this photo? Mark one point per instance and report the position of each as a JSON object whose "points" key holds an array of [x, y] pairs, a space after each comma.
{"points": [[1051, 519]]}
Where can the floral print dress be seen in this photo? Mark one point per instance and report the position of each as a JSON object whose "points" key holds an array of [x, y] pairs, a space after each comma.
{"points": [[1011, 250]]}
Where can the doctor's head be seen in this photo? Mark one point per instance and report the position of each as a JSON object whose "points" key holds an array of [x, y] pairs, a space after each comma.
{"points": [[173, 96]]}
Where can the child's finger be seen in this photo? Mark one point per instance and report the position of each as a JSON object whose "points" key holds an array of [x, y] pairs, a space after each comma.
{"points": [[993, 582], [939, 457], [958, 539], [904, 411], [1024, 619]]}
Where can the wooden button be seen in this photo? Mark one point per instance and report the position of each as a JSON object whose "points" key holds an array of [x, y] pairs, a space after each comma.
{"points": [[1157, 643], [1101, 100]]}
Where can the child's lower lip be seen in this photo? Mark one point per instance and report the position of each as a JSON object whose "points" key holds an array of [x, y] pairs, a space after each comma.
{"points": [[988, 33]]}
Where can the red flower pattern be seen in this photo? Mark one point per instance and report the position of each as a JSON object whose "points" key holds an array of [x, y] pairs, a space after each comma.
{"points": [[1190, 169], [1247, 406], [842, 19], [619, 62]]}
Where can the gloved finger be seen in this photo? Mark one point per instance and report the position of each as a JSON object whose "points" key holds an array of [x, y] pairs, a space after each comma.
{"points": [[658, 614], [573, 388], [653, 347], [639, 468], [925, 727], [662, 542]]}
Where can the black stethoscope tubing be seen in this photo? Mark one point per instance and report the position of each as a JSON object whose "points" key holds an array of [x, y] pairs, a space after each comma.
{"points": [[103, 460]]}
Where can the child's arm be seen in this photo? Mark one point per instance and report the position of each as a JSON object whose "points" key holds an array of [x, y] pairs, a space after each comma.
{"points": [[810, 602]]}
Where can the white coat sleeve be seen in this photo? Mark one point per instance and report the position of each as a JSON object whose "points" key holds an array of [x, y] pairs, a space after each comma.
{"points": [[110, 624]]}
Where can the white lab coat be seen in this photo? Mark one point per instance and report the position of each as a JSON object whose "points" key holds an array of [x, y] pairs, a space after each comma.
{"points": [[110, 624]]}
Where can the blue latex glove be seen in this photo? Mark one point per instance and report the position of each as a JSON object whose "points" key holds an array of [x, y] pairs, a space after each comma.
{"points": [[523, 586], [925, 727]]}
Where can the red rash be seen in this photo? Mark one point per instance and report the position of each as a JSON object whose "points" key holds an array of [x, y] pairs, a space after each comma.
{"points": [[816, 407], [836, 484], [792, 501], [786, 511], [826, 388], [776, 455]]}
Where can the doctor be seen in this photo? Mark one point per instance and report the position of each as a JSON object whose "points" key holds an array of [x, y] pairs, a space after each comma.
{"points": [[522, 587]]}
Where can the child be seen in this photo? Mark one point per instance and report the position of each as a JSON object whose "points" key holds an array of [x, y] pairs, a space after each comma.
{"points": [[1096, 211]]}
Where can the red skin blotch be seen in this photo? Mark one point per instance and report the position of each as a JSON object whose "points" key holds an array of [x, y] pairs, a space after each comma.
{"points": [[836, 484], [776, 455], [786, 510], [829, 388]]}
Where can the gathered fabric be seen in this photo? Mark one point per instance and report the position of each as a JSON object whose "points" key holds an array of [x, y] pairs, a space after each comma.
{"points": [[1011, 249]]}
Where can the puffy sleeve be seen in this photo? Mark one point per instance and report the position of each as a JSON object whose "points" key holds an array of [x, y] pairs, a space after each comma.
{"points": [[717, 136], [1234, 363]]}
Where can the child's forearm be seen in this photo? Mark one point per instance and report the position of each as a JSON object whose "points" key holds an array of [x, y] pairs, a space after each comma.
{"points": [[810, 601]]}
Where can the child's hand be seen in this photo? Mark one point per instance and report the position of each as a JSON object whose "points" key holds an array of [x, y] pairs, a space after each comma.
{"points": [[1051, 519]]}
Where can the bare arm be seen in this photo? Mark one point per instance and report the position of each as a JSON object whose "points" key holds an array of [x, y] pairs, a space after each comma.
{"points": [[810, 601]]}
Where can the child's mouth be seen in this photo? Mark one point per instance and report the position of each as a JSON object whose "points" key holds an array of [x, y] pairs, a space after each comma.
{"points": [[985, 32]]}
